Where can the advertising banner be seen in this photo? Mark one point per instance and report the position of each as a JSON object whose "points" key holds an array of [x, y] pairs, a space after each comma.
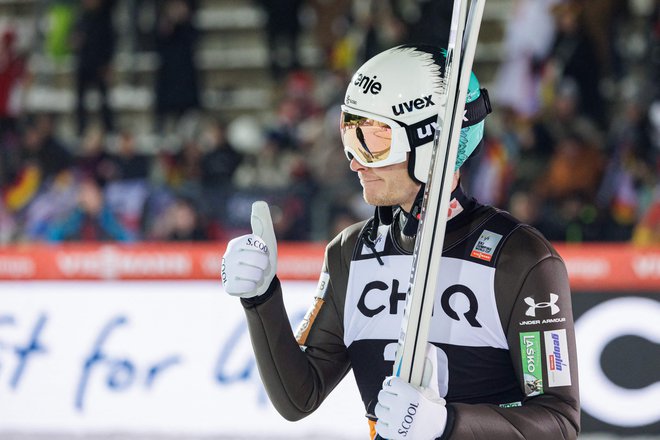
{"points": [[591, 267], [157, 261], [146, 357], [618, 337], [142, 339]]}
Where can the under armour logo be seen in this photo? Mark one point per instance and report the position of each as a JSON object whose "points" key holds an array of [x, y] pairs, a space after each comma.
{"points": [[554, 308]]}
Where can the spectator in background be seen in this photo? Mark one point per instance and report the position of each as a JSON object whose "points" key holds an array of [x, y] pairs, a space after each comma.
{"points": [[13, 76], [330, 18], [93, 160], [428, 24], [489, 172], [527, 144], [282, 32], [21, 173], [368, 28], [55, 200], [128, 163], [177, 87], [7, 225], [94, 46], [10, 156], [602, 20], [91, 219], [186, 168], [574, 55], [61, 17], [519, 75], [654, 66], [46, 148], [342, 217], [127, 188], [647, 231], [575, 169], [530, 143], [40, 159], [299, 90], [13, 72], [291, 113], [180, 222], [568, 189], [270, 169], [563, 117], [220, 161], [631, 173]]}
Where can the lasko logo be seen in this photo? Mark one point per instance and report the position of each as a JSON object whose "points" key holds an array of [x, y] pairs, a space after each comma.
{"points": [[413, 104], [554, 308], [530, 354], [556, 358], [368, 84]]}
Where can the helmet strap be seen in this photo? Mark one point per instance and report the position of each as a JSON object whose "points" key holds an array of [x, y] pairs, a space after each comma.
{"points": [[411, 166], [384, 215], [412, 218]]}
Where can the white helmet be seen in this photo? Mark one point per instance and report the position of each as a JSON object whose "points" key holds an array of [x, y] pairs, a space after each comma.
{"points": [[401, 89]]}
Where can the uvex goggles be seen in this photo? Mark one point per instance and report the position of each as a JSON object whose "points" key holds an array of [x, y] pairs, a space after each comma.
{"points": [[376, 141]]}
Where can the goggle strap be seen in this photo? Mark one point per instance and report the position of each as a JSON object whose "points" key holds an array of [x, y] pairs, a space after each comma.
{"points": [[477, 110], [422, 132]]}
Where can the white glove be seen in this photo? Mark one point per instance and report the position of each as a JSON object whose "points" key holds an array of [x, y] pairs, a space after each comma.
{"points": [[250, 261], [407, 412]]}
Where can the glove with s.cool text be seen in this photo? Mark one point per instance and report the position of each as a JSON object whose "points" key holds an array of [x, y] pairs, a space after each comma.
{"points": [[405, 411], [250, 261]]}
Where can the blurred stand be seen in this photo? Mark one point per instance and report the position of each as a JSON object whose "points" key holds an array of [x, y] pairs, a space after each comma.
{"points": [[221, 103]]}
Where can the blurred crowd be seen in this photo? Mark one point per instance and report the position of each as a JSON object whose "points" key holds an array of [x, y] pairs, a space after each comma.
{"points": [[573, 147]]}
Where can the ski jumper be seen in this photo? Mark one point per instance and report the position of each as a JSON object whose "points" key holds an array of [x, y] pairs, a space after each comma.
{"points": [[502, 325]]}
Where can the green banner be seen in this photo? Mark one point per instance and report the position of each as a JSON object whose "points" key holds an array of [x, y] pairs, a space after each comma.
{"points": [[532, 362]]}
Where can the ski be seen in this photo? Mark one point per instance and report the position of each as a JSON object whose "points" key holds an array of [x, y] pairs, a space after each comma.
{"points": [[413, 338]]}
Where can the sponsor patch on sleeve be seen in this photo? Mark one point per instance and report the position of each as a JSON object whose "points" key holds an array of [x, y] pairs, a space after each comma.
{"points": [[556, 358], [486, 245], [306, 325], [322, 286], [532, 364]]}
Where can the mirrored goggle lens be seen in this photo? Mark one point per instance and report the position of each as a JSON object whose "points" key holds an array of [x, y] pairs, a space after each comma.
{"points": [[366, 138]]}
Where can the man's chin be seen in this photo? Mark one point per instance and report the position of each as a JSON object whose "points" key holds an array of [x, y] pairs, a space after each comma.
{"points": [[377, 199]]}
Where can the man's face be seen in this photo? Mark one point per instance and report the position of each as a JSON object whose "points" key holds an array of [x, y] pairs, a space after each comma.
{"points": [[387, 186]]}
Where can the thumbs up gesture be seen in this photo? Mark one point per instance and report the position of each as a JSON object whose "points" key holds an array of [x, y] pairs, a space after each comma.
{"points": [[250, 261]]}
